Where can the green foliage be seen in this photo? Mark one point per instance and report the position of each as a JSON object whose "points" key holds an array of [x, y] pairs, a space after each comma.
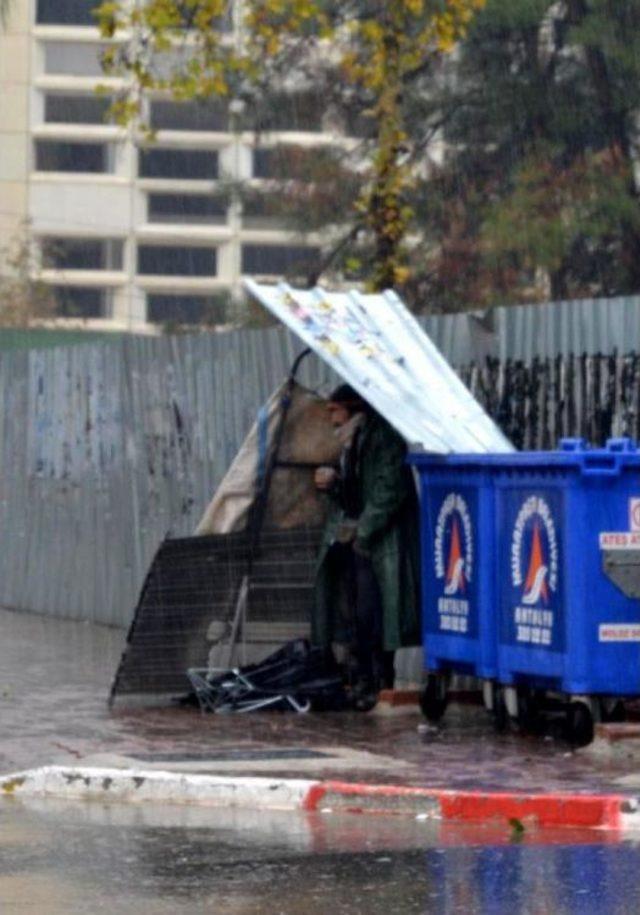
{"points": [[24, 299], [378, 51], [549, 207], [371, 50], [517, 830], [539, 184]]}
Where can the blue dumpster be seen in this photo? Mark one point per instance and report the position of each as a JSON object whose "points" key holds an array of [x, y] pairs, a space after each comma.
{"points": [[531, 578], [458, 583], [569, 615]]}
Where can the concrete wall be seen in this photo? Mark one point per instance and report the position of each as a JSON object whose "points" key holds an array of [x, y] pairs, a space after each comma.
{"points": [[15, 78]]}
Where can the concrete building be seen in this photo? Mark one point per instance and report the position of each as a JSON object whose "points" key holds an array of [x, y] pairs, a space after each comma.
{"points": [[131, 234]]}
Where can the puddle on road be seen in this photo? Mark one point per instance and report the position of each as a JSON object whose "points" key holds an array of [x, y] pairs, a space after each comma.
{"points": [[58, 858]]}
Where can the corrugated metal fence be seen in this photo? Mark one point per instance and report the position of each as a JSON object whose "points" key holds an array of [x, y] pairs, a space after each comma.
{"points": [[523, 332], [540, 402], [106, 448]]}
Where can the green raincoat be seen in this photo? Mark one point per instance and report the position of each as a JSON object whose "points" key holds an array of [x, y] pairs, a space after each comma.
{"points": [[388, 529]]}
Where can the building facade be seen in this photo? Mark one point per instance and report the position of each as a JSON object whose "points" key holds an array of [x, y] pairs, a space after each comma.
{"points": [[132, 234]]}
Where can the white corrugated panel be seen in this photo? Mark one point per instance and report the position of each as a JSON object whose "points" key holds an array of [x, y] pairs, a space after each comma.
{"points": [[377, 346]]}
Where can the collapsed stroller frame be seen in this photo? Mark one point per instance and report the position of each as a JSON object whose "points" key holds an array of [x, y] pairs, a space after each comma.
{"points": [[295, 678]]}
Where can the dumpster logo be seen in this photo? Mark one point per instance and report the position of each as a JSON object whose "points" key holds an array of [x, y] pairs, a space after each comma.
{"points": [[534, 571], [456, 580], [454, 545], [534, 553], [454, 562]]}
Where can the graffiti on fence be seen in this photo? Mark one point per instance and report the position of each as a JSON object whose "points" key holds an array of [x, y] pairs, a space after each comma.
{"points": [[536, 404]]}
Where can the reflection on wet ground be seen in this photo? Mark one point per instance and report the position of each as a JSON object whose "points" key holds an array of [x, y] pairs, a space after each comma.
{"points": [[55, 677], [90, 858], [59, 859]]}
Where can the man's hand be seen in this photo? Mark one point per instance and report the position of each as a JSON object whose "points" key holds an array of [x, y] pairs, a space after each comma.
{"points": [[346, 532], [325, 478]]}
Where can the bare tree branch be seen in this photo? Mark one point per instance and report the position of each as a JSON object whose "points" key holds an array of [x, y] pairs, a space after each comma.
{"points": [[331, 255]]}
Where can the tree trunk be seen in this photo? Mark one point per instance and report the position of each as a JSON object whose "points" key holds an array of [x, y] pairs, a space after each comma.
{"points": [[384, 204]]}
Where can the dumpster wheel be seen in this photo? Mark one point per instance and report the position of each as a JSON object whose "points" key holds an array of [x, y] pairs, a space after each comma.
{"points": [[433, 697], [530, 704], [613, 711], [498, 709], [579, 723]]}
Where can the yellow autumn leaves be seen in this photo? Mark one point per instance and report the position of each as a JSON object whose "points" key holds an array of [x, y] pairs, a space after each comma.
{"points": [[376, 47]]}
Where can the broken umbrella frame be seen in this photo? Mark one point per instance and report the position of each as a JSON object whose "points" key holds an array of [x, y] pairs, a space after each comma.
{"points": [[295, 677], [236, 690]]}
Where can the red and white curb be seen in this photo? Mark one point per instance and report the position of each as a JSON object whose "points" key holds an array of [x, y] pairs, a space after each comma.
{"points": [[605, 811]]}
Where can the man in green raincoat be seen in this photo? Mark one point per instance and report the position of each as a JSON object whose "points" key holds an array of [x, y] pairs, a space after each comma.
{"points": [[367, 588]]}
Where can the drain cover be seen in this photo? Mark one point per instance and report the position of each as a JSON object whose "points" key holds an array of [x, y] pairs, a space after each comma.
{"points": [[231, 755]]}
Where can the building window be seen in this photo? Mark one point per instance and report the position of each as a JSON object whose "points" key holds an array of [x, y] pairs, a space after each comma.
{"points": [[165, 260], [72, 58], [262, 211], [263, 163], [186, 309], [83, 253], [61, 156], [187, 208], [83, 302], [183, 164], [288, 161], [290, 111], [275, 260], [66, 12], [75, 109], [200, 116]]}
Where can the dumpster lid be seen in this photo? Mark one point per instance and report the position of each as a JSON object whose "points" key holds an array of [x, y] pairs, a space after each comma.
{"points": [[571, 454], [376, 345]]}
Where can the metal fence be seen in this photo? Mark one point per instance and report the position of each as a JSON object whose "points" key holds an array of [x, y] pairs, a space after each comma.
{"points": [[108, 447], [589, 326], [540, 402]]}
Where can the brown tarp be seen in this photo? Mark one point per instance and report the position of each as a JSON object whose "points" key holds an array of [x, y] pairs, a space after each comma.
{"points": [[307, 440]]}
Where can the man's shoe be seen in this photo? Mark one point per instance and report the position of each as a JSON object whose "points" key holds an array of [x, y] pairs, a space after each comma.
{"points": [[364, 696]]}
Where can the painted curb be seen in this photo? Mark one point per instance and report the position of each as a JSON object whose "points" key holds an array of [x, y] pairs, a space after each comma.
{"points": [[144, 785], [603, 811], [545, 810]]}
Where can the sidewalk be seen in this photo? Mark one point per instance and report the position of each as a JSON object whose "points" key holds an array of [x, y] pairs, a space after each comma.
{"points": [[54, 679]]}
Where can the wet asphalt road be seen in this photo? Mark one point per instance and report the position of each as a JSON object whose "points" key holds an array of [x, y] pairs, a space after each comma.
{"points": [[59, 859], [62, 859]]}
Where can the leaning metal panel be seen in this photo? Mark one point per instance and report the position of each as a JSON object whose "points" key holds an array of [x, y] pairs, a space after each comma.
{"points": [[190, 597]]}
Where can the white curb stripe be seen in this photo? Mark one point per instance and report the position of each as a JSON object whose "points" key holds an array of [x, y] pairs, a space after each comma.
{"points": [[141, 785]]}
